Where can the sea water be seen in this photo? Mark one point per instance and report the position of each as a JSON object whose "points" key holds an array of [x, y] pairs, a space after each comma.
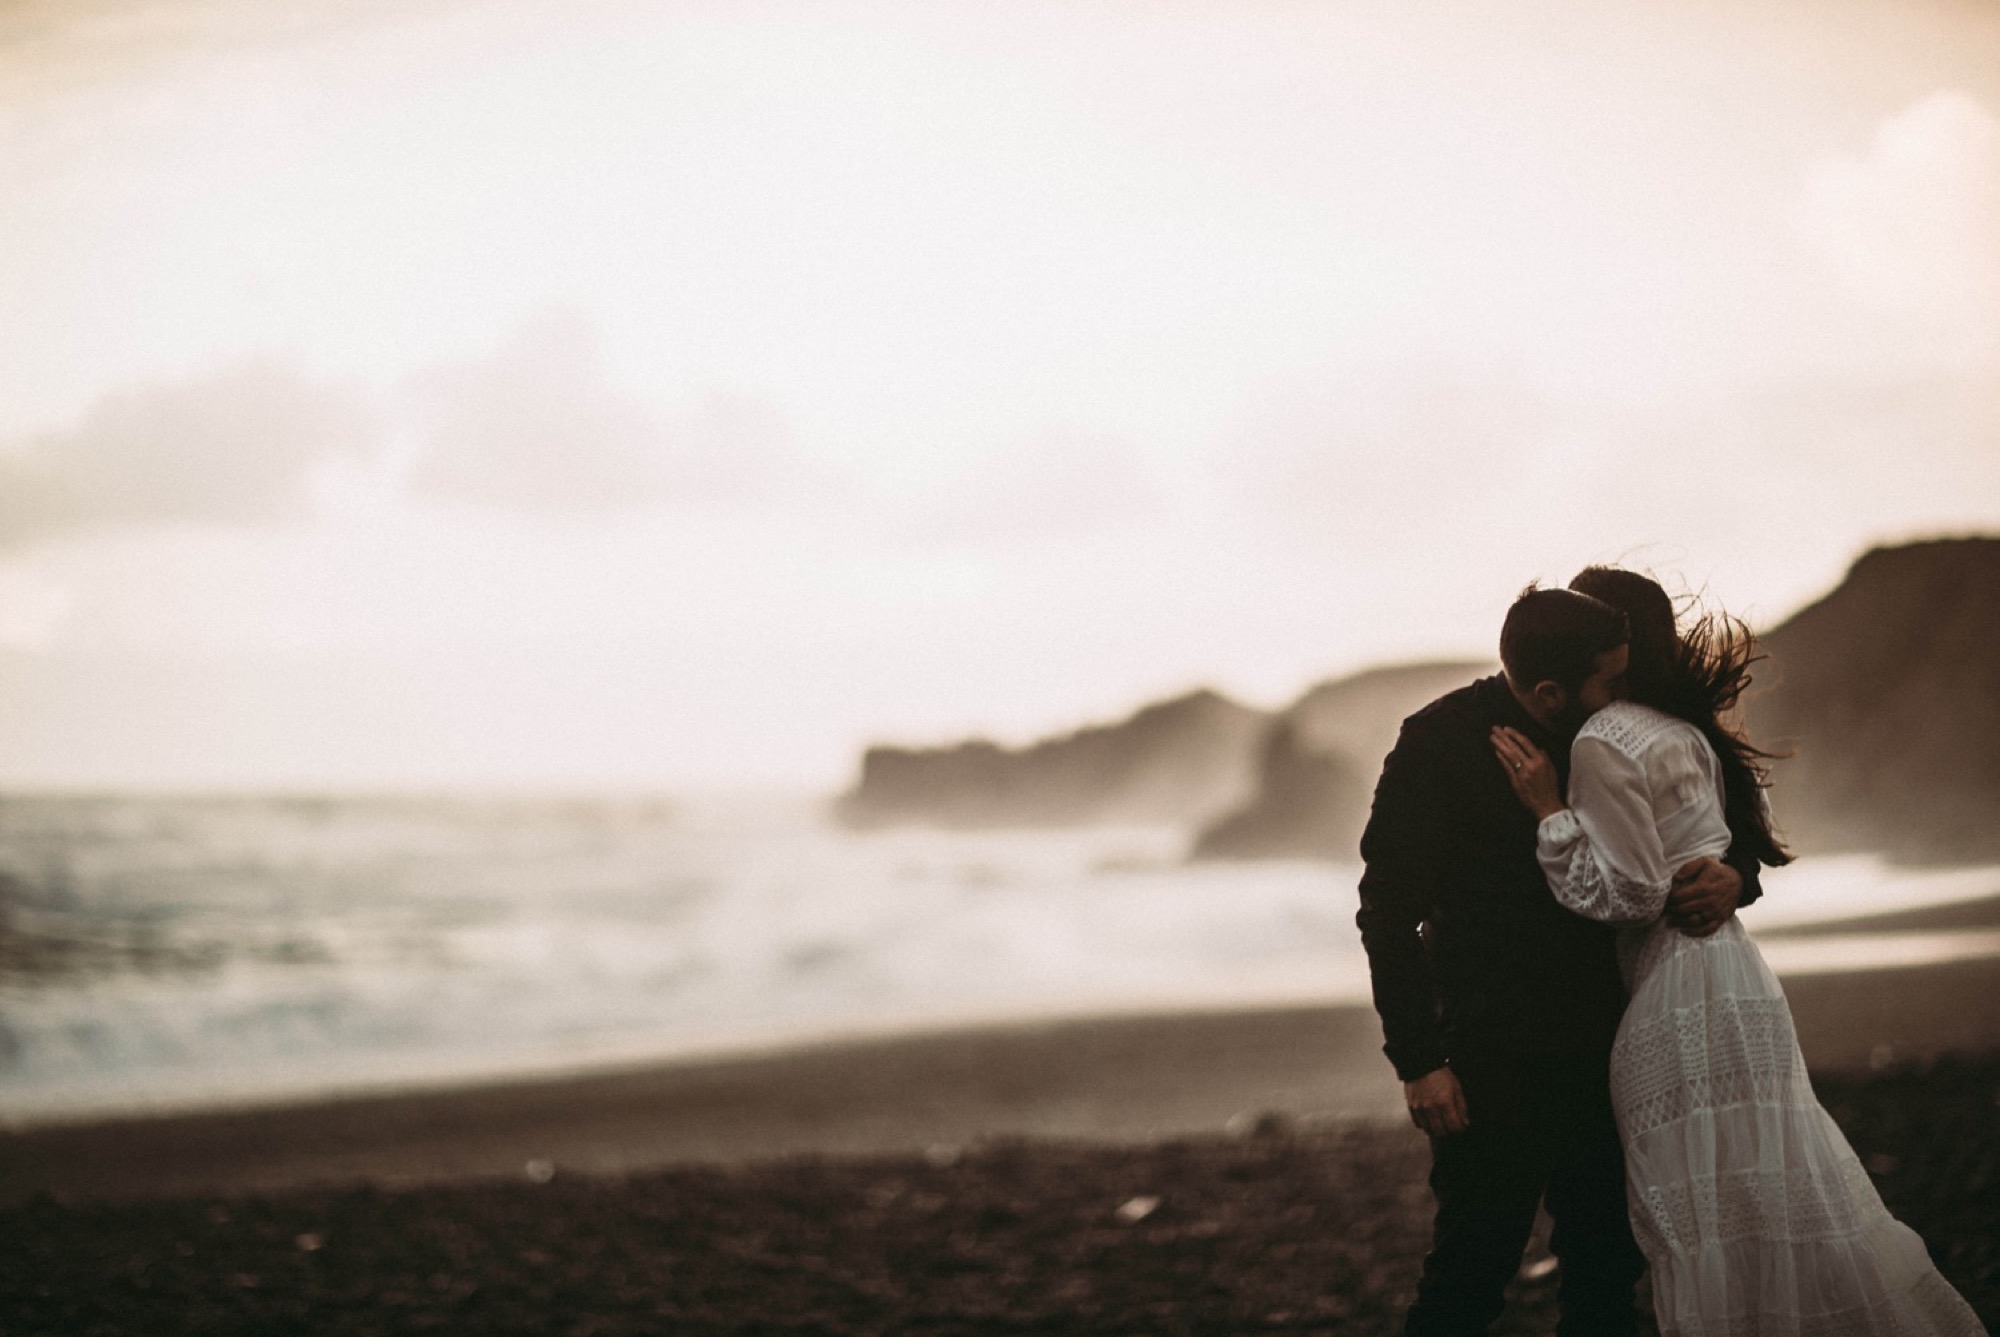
{"points": [[171, 952]]}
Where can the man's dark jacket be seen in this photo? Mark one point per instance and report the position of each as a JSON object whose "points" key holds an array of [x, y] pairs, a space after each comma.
{"points": [[1473, 960]]}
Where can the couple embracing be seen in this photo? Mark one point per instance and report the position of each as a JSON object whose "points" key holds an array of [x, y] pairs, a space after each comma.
{"points": [[1553, 866]]}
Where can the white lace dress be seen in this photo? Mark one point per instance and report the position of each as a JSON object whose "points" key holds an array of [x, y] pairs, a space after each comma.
{"points": [[1754, 1212]]}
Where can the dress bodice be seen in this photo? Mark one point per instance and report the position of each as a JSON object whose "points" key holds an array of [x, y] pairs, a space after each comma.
{"points": [[1645, 795]]}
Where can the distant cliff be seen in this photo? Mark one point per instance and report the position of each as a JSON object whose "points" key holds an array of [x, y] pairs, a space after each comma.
{"points": [[1177, 762], [1317, 766], [1887, 691], [1245, 782]]}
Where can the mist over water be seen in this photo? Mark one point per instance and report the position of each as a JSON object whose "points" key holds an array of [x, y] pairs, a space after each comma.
{"points": [[159, 952], [169, 951]]}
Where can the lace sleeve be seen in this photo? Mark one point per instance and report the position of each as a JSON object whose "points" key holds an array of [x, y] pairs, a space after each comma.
{"points": [[1602, 854]]}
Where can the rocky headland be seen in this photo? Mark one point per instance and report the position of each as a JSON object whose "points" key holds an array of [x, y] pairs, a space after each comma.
{"points": [[1883, 697], [1886, 695], [1317, 761], [1176, 762]]}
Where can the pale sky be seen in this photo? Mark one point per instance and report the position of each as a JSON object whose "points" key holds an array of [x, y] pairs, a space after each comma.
{"points": [[538, 393]]}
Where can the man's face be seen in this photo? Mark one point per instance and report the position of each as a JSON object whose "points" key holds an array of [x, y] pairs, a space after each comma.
{"points": [[1563, 713], [1605, 684]]}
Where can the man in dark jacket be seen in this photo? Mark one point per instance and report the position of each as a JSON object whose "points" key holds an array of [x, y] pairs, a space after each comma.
{"points": [[1499, 1006]]}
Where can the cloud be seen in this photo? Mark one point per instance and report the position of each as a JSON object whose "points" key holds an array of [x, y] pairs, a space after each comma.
{"points": [[1437, 486], [1823, 455], [1912, 226], [234, 447], [1436, 455], [541, 426], [31, 610], [1055, 487], [1378, 461]]}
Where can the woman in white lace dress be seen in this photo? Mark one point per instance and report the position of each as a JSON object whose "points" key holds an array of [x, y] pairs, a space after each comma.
{"points": [[1755, 1214]]}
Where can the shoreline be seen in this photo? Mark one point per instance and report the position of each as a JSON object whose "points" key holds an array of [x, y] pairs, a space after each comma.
{"points": [[1962, 934], [1124, 1078], [777, 1041], [1120, 1079], [1959, 916]]}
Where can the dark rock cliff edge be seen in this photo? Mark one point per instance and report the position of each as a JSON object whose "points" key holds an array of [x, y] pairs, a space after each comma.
{"points": [[1885, 694], [1177, 762]]}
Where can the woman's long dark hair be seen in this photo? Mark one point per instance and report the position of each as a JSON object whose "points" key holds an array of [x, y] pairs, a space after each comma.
{"points": [[1698, 675]]}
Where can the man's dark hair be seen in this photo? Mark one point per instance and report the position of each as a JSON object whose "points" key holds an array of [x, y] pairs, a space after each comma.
{"points": [[1556, 636]]}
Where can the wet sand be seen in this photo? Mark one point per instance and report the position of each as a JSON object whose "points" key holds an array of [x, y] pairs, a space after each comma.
{"points": [[1120, 1079], [1117, 1079], [969, 1182]]}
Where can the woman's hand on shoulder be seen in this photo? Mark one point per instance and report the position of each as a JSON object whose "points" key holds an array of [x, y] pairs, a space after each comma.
{"points": [[1529, 771]]}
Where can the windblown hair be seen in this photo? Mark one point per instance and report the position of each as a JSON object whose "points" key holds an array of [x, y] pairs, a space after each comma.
{"points": [[1556, 636], [1697, 674]]}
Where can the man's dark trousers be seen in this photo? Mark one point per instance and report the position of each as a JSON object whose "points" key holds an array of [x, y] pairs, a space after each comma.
{"points": [[1539, 1127]]}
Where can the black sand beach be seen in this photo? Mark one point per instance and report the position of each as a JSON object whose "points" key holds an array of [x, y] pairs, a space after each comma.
{"points": [[1235, 1172]]}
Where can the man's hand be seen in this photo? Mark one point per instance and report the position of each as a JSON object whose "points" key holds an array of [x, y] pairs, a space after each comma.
{"points": [[1437, 1105], [1704, 896]]}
